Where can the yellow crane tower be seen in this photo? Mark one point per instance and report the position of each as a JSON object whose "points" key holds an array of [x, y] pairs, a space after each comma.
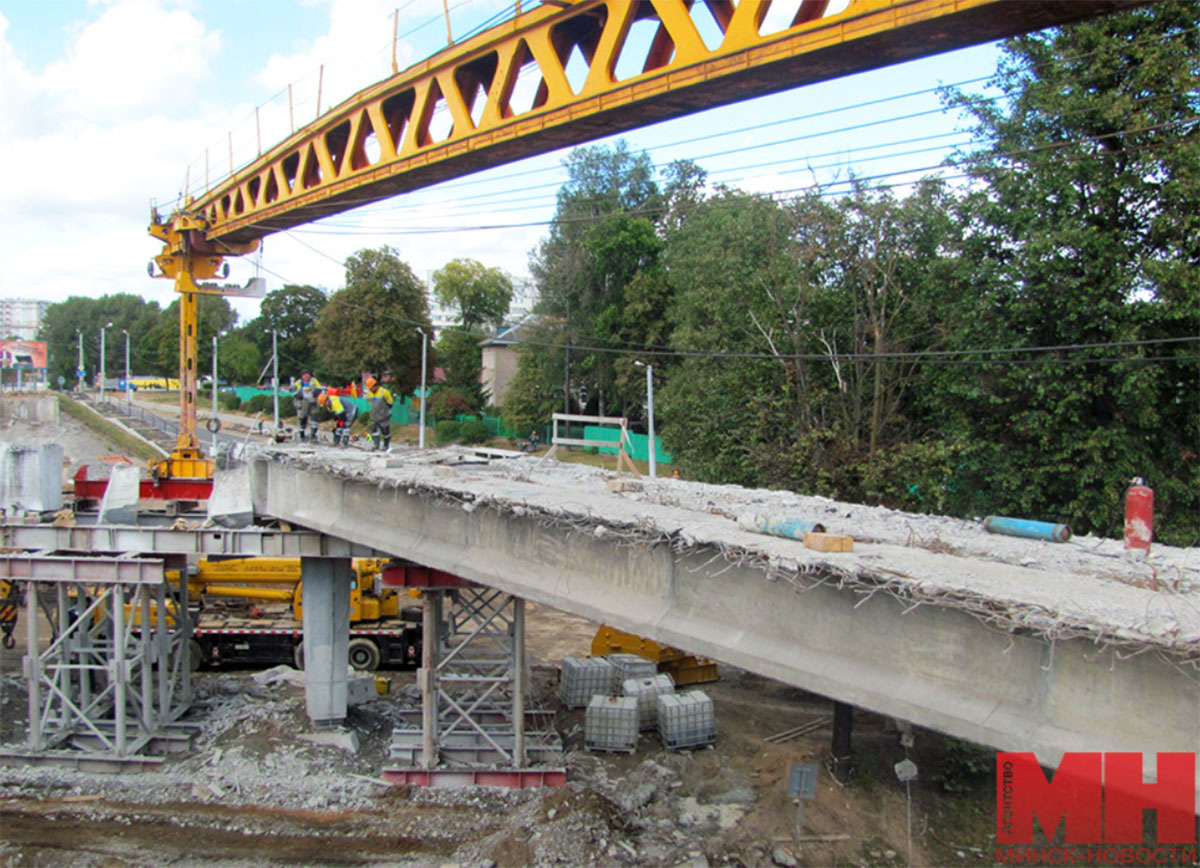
{"points": [[188, 257]]}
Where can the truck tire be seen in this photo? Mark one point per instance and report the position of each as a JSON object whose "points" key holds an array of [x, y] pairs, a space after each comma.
{"points": [[298, 655], [195, 655], [364, 655]]}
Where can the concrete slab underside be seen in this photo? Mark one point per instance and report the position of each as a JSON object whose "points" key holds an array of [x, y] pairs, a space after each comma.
{"points": [[938, 667]]}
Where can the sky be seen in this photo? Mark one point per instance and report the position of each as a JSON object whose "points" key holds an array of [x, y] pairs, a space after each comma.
{"points": [[108, 106]]}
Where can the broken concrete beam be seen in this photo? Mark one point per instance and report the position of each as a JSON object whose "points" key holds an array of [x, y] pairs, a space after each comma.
{"points": [[778, 525], [120, 502], [30, 477], [230, 504], [828, 542]]}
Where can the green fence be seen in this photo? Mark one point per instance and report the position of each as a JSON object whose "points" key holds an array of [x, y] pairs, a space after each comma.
{"points": [[639, 443]]}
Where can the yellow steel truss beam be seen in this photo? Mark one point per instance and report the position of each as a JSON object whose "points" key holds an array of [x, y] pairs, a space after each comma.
{"points": [[382, 141]]}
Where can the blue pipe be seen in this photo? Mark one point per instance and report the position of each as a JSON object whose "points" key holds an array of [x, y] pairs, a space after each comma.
{"points": [[1023, 527], [779, 525]]}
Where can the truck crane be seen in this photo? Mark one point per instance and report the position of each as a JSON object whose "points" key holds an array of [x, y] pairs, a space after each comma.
{"points": [[228, 629]]}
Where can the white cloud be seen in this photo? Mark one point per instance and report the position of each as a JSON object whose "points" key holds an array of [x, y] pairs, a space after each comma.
{"points": [[135, 56], [17, 94], [356, 51]]}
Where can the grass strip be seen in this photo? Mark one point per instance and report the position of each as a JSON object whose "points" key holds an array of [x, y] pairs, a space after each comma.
{"points": [[127, 443]]}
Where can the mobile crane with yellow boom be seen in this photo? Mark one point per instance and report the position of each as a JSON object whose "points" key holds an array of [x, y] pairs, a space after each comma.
{"points": [[231, 626]]}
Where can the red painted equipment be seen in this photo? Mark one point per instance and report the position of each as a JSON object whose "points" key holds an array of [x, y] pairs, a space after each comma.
{"points": [[1139, 515], [150, 489]]}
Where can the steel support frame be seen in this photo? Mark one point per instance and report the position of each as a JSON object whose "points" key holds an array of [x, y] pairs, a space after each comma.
{"points": [[106, 691], [247, 542], [474, 680]]}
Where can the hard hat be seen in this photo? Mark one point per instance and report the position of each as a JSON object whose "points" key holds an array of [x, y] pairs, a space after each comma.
{"points": [[370, 382], [322, 399]]}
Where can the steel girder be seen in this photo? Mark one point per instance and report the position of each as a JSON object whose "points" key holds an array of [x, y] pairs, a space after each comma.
{"points": [[248, 542], [382, 142]]}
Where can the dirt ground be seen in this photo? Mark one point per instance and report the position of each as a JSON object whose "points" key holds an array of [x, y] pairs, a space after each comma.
{"points": [[253, 792]]}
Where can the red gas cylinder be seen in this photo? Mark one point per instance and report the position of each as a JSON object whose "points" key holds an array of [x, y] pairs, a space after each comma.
{"points": [[1139, 516]]}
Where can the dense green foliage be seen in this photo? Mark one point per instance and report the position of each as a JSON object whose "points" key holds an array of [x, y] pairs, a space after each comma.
{"points": [[447, 431], [447, 402], [1024, 344], [64, 323], [373, 324], [473, 431]]}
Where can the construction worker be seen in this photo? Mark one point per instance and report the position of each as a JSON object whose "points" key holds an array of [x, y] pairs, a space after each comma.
{"points": [[344, 415], [305, 399], [381, 401]]}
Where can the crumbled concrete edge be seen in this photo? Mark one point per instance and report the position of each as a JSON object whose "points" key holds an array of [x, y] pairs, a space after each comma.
{"points": [[1010, 616]]}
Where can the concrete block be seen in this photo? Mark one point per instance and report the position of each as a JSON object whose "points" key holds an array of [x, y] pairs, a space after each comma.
{"points": [[828, 542], [231, 504], [120, 502], [346, 739], [29, 408], [620, 485], [361, 688], [31, 477]]}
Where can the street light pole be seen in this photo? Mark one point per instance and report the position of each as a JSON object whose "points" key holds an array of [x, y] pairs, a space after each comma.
{"points": [[424, 356], [128, 388], [102, 332], [650, 416], [215, 416], [79, 370], [650, 413], [275, 375]]}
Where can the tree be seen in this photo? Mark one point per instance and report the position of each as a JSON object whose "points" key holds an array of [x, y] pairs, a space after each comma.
{"points": [[125, 311], [482, 295], [373, 324], [461, 360], [808, 301], [606, 236], [214, 316], [1086, 230], [292, 312], [238, 359]]}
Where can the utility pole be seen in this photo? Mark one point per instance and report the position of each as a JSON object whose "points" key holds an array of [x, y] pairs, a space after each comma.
{"points": [[424, 351], [79, 370], [275, 374]]}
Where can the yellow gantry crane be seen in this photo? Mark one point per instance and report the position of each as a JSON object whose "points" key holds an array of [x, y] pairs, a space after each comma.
{"points": [[381, 142]]}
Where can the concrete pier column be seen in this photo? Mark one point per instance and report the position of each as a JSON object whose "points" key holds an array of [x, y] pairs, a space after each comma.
{"points": [[431, 652], [843, 725], [326, 588]]}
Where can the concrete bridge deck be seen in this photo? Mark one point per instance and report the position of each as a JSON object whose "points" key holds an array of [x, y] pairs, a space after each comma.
{"points": [[1018, 644]]}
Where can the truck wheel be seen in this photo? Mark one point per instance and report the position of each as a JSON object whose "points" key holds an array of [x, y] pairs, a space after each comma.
{"points": [[298, 655], [195, 655], [364, 655]]}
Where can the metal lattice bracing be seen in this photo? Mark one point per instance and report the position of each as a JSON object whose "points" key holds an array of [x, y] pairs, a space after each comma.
{"points": [[106, 692], [474, 715], [563, 73]]}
